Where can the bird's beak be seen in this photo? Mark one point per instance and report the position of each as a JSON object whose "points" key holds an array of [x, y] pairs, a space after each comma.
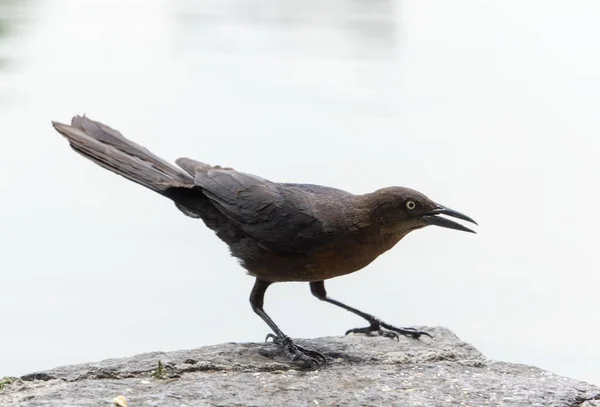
{"points": [[432, 218]]}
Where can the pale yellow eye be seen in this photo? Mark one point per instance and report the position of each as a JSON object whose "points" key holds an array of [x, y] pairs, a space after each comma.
{"points": [[410, 205]]}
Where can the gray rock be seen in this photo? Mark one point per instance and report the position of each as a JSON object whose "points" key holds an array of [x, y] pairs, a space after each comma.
{"points": [[362, 371]]}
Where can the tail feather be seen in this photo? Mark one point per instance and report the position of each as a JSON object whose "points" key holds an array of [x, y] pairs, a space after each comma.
{"points": [[192, 166], [109, 149]]}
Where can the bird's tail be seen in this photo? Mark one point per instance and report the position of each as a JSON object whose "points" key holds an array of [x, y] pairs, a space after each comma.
{"points": [[109, 149]]}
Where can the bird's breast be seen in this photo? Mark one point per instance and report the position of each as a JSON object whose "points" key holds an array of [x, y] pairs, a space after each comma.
{"points": [[332, 260], [347, 257]]}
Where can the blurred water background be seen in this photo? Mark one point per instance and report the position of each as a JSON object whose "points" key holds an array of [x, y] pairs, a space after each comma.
{"points": [[488, 107]]}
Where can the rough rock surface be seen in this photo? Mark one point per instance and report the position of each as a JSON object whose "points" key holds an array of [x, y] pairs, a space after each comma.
{"points": [[362, 371]]}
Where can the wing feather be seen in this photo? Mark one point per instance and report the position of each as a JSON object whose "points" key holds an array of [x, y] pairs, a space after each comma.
{"points": [[279, 217]]}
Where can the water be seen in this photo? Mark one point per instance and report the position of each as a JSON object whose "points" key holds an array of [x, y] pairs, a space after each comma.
{"points": [[488, 108]]}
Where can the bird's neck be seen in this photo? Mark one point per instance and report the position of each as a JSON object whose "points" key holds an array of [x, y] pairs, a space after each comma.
{"points": [[385, 219], [373, 208]]}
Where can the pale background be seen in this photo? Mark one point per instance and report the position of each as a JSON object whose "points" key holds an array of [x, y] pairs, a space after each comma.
{"points": [[488, 107]]}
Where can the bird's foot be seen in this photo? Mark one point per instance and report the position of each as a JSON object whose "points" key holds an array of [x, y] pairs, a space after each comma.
{"points": [[308, 357], [389, 331]]}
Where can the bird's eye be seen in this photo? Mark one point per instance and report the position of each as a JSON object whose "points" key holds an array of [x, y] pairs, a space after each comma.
{"points": [[411, 205]]}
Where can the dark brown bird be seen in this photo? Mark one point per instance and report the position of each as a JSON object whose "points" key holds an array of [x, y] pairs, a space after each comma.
{"points": [[278, 231]]}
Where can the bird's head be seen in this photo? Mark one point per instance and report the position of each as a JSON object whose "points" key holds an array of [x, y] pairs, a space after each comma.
{"points": [[402, 210]]}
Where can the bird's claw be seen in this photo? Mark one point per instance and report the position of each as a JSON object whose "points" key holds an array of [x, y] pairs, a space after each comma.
{"points": [[309, 357], [389, 331], [272, 336], [369, 330]]}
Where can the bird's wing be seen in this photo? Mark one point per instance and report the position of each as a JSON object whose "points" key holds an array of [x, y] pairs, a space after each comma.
{"points": [[280, 218]]}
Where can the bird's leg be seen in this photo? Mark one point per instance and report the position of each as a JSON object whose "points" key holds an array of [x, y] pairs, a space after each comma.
{"points": [[375, 324], [295, 352]]}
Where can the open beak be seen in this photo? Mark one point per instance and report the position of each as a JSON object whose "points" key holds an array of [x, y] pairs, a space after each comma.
{"points": [[432, 218]]}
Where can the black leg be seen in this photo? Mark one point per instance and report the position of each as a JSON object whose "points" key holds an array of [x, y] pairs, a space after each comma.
{"points": [[375, 324], [295, 352]]}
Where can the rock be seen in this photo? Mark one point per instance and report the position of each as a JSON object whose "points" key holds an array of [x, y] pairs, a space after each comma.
{"points": [[362, 371]]}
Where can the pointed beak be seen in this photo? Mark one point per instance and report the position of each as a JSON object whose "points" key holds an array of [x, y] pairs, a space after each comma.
{"points": [[433, 218]]}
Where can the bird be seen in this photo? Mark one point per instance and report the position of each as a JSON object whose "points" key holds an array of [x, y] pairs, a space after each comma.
{"points": [[278, 232]]}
